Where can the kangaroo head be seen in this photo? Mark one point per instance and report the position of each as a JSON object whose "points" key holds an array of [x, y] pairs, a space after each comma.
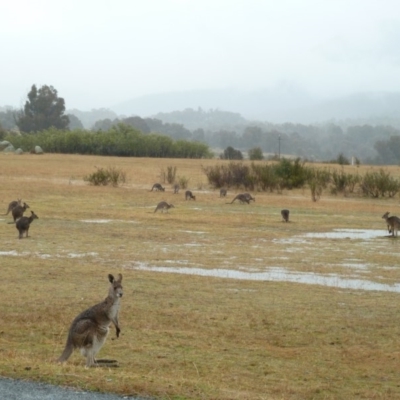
{"points": [[26, 205], [384, 216], [115, 287], [34, 216]]}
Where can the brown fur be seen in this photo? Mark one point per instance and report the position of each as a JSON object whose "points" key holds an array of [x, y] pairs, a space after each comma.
{"points": [[90, 328], [158, 188], [24, 223], [189, 195], [285, 215], [242, 198], [13, 204], [163, 205], [393, 223], [249, 197], [18, 211]]}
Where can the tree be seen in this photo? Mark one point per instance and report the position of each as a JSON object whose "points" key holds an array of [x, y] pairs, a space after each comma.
{"points": [[43, 110], [74, 122], [232, 154], [255, 153]]}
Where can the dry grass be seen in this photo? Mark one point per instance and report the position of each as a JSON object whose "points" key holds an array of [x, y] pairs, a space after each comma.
{"points": [[189, 336]]}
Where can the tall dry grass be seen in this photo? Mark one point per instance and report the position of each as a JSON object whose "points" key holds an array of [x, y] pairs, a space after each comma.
{"points": [[190, 336]]}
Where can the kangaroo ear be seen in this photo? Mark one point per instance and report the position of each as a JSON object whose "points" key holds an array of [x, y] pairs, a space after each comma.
{"points": [[119, 277], [110, 278]]}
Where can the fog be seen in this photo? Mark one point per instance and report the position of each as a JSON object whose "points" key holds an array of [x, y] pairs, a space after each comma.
{"points": [[106, 53]]}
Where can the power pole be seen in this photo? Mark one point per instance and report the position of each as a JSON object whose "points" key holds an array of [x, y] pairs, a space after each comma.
{"points": [[279, 147]]}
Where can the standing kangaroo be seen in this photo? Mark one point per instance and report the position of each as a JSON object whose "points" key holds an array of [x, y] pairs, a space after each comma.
{"points": [[285, 215], [24, 223], [13, 204], [163, 205], [158, 188], [189, 195], [223, 192], [393, 223], [176, 188], [90, 328], [241, 197], [18, 212]]}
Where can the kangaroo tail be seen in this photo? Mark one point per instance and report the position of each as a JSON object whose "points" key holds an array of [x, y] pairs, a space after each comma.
{"points": [[69, 348]]}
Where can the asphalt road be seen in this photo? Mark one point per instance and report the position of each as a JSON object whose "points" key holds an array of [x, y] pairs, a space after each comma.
{"points": [[12, 389]]}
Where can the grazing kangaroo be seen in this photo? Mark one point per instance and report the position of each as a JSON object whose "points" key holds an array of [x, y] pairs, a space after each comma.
{"points": [[158, 188], [241, 197], [13, 204], [176, 188], [285, 215], [18, 212], [163, 205], [24, 223], [393, 223], [90, 328], [189, 195], [249, 196], [223, 192]]}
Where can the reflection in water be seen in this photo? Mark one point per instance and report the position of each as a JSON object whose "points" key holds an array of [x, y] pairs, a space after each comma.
{"points": [[280, 275]]}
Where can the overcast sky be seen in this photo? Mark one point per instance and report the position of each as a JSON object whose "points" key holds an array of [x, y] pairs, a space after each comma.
{"points": [[98, 53]]}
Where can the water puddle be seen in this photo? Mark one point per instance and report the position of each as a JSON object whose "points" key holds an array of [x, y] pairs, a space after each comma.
{"points": [[364, 234], [279, 275], [10, 253], [96, 221]]}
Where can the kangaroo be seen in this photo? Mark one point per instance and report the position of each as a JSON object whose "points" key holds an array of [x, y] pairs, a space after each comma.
{"points": [[176, 188], [393, 223], [90, 328], [189, 195], [158, 188], [241, 197], [18, 212], [13, 204], [249, 196], [223, 192], [285, 215], [24, 223], [163, 205]]}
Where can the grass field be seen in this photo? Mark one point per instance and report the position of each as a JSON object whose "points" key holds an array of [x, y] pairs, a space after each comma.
{"points": [[221, 301]]}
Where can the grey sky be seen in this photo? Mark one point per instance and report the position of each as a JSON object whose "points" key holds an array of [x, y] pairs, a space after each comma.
{"points": [[97, 53]]}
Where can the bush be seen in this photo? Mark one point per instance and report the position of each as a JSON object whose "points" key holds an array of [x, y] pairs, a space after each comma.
{"points": [[317, 180], [376, 184], [256, 154], [344, 183], [169, 175], [104, 177], [232, 154], [183, 182]]}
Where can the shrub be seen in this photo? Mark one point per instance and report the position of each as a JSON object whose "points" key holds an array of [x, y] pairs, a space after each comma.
{"points": [[183, 182], [256, 154], [104, 177], [344, 183], [317, 180], [169, 175], [376, 184], [292, 174], [232, 154]]}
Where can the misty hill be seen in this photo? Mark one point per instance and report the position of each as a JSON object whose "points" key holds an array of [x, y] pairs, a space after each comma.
{"points": [[278, 105]]}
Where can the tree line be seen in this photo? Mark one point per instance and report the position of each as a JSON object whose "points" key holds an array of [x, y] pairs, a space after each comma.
{"points": [[379, 144]]}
